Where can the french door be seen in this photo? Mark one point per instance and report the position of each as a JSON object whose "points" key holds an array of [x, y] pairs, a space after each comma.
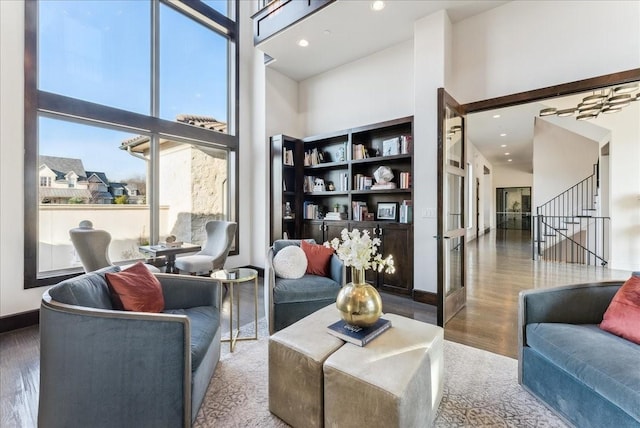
{"points": [[452, 295]]}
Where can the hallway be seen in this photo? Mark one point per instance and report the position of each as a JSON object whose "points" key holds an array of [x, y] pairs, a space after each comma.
{"points": [[499, 266]]}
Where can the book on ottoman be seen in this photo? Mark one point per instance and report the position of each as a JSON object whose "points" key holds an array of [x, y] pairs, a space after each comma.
{"points": [[358, 335]]}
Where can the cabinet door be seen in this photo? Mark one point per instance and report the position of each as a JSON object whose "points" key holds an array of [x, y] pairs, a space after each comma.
{"points": [[313, 229], [397, 240], [333, 229]]}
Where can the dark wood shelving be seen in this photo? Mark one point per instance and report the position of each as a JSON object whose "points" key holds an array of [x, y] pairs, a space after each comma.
{"points": [[396, 237]]}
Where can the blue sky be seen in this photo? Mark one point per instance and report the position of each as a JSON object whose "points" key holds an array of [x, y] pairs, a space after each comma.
{"points": [[99, 51]]}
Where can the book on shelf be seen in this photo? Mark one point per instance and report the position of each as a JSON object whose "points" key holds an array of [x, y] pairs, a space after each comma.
{"points": [[308, 184], [288, 157], [359, 152], [405, 144], [362, 182], [343, 184], [310, 210], [359, 210], [313, 157], [405, 180], [358, 335]]}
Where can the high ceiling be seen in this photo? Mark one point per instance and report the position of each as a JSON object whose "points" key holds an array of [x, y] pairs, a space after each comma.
{"points": [[348, 30]]}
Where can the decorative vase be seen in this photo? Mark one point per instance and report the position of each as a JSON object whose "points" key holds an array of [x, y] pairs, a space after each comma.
{"points": [[359, 303]]}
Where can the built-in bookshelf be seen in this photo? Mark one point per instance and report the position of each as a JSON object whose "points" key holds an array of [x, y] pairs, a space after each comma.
{"points": [[332, 185]]}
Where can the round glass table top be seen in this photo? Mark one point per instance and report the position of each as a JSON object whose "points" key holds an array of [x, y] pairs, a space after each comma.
{"points": [[235, 275]]}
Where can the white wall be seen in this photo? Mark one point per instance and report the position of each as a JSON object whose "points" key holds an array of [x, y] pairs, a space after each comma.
{"points": [[486, 205], [511, 176], [561, 159], [373, 89], [525, 45]]}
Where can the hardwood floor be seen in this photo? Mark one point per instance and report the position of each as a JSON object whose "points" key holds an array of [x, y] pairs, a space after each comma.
{"points": [[499, 266]]}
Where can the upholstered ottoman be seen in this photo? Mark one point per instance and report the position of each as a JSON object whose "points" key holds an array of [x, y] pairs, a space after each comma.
{"points": [[296, 354], [394, 381]]}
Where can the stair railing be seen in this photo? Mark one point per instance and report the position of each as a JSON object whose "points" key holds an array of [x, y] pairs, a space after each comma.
{"points": [[565, 229]]}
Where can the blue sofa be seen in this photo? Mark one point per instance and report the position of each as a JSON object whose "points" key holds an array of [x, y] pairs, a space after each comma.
{"points": [[591, 378], [101, 367], [289, 300]]}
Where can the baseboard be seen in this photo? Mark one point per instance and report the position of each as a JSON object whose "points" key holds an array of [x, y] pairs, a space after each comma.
{"points": [[21, 320], [425, 297]]}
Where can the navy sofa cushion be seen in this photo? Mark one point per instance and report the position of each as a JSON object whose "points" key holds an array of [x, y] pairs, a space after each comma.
{"points": [[89, 289], [306, 289], [604, 362], [204, 321]]}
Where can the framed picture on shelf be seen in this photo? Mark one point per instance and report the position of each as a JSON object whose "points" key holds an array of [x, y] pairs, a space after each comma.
{"points": [[387, 211], [391, 146]]}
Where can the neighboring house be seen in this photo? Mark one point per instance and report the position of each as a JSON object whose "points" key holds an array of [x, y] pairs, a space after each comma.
{"points": [[65, 181], [62, 181], [99, 187]]}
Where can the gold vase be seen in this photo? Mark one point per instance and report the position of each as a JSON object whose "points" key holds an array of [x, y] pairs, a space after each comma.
{"points": [[359, 303]]}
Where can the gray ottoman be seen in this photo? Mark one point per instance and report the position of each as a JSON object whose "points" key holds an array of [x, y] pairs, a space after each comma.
{"points": [[296, 354], [394, 381]]}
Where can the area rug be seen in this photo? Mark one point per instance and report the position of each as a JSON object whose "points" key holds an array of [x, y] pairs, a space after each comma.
{"points": [[480, 390]]}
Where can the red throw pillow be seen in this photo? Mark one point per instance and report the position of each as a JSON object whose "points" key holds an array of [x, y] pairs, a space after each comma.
{"points": [[137, 289], [622, 317], [318, 258]]}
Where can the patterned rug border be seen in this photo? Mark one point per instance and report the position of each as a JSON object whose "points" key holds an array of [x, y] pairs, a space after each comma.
{"points": [[483, 394]]}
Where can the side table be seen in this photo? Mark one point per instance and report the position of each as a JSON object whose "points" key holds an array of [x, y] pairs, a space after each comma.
{"points": [[232, 277]]}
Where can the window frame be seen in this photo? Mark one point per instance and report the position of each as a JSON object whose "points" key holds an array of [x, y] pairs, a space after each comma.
{"points": [[37, 103]]}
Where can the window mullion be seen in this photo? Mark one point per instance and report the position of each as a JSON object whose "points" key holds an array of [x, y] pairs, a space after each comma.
{"points": [[154, 173]]}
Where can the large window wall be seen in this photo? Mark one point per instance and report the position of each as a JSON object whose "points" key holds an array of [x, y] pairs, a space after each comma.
{"points": [[130, 122]]}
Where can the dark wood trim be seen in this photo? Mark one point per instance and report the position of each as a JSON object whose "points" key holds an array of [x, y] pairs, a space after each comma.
{"points": [[21, 320], [554, 91], [30, 145], [425, 297], [440, 225]]}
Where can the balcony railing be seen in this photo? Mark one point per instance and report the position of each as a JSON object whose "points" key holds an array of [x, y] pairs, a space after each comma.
{"points": [[277, 15]]}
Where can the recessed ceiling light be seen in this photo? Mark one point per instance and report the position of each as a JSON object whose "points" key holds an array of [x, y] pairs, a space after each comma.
{"points": [[503, 145], [495, 116], [507, 154], [303, 43], [503, 135], [509, 160], [377, 5]]}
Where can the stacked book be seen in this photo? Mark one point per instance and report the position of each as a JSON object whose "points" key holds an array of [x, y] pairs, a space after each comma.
{"points": [[333, 215], [358, 335]]}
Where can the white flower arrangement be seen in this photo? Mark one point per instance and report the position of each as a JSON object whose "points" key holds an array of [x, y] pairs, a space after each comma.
{"points": [[359, 251]]}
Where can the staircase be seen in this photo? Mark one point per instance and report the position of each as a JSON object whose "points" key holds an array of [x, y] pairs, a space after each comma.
{"points": [[568, 229]]}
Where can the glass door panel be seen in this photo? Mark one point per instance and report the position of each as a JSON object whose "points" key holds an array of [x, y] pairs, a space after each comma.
{"points": [[451, 219]]}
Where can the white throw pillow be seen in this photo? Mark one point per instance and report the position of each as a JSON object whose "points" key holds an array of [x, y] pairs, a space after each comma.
{"points": [[290, 262]]}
